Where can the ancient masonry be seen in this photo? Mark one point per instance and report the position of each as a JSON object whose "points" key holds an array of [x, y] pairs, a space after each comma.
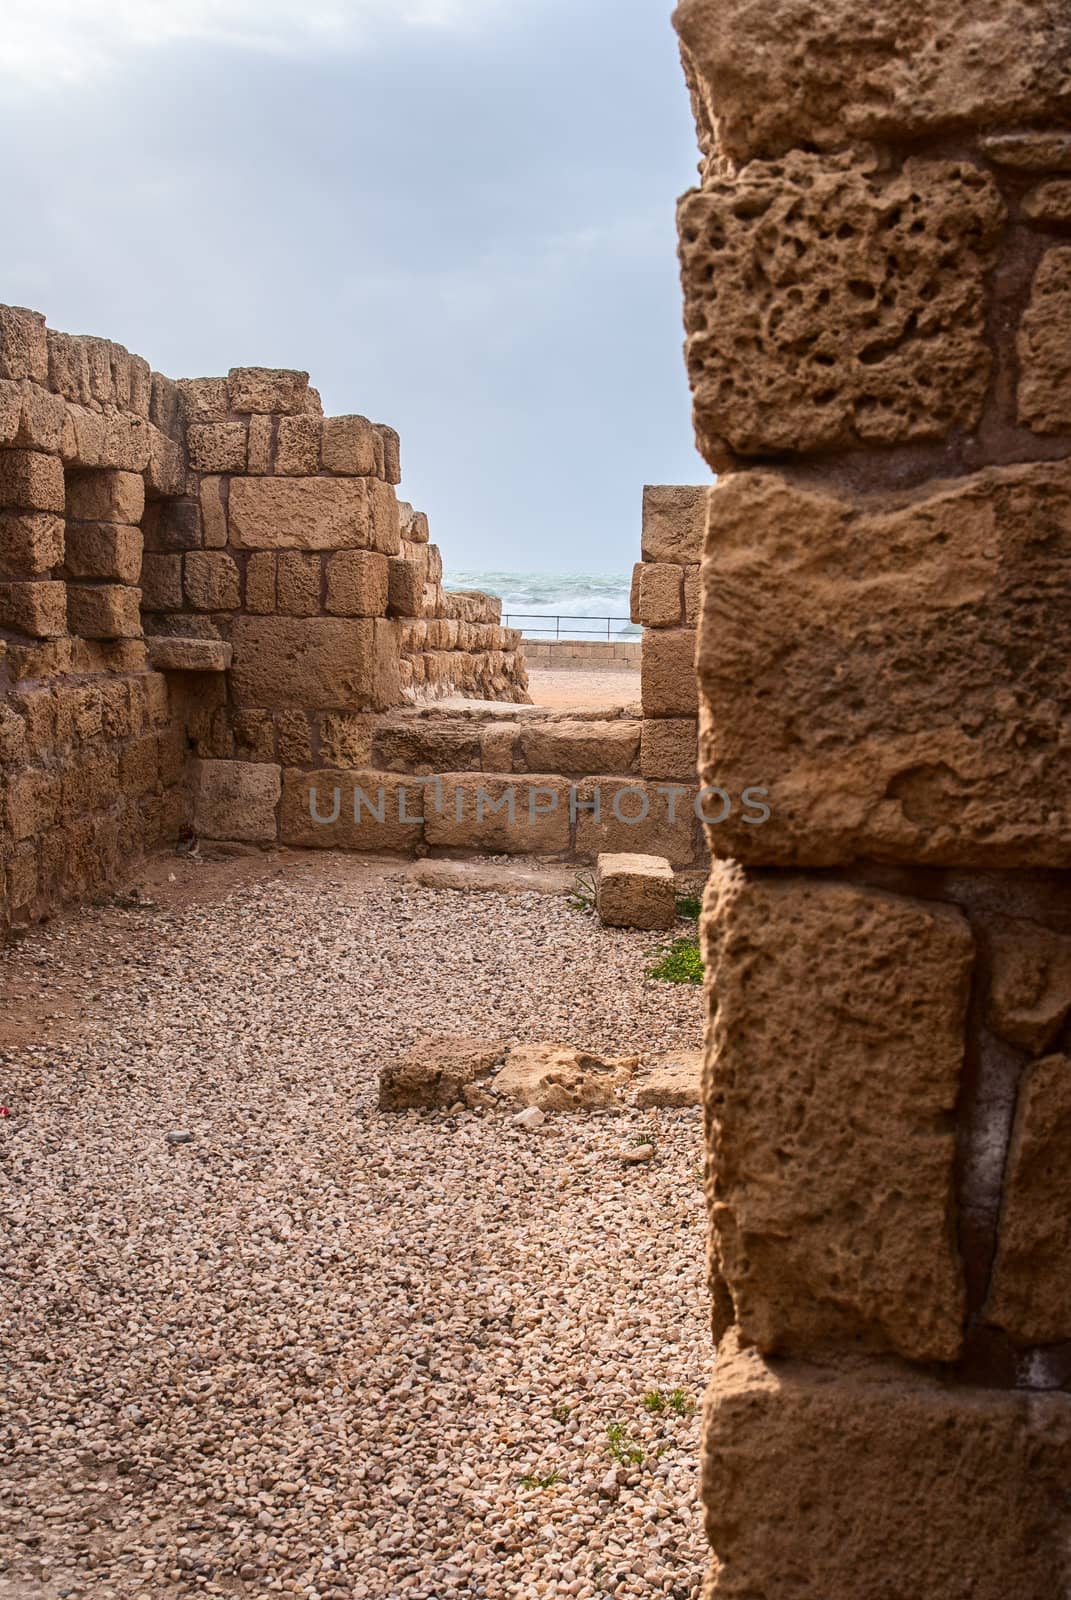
{"points": [[877, 277]]}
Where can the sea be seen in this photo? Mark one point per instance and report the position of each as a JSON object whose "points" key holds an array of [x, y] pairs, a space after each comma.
{"points": [[565, 605]]}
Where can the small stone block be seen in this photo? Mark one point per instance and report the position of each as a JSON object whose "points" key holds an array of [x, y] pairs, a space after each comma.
{"points": [[635, 891]]}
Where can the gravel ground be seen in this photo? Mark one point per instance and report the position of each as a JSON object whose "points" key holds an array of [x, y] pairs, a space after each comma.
{"points": [[317, 1350]]}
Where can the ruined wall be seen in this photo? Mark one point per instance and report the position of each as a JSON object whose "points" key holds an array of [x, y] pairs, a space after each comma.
{"points": [[203, 584], [877, 287], [665, 601]]}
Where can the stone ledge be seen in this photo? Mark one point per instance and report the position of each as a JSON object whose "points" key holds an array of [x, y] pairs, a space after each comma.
{"points": [[189, 655]]}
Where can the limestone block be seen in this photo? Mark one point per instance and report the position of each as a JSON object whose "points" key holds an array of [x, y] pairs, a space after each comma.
{"points": [[127, 442], [498, 746], [37, 608], [347, 447], [263, 389], [383, 512], [405, 588], [203, 400], [1049, 202], [188, 655], [772, 76], [261, 444], [89, 781], [236, 800], [888, 669], [82, 444], [254, 735], [300, 513], [674, 523], [1045, 347], [416, 527], [558, 1077], [352, 810], [669, 748], [618, 815], [165, 405], [211, 580], [23, 345], [213, 514], [835, 1049], [106, 496], [104, 611], [32, 803], [387, 687], [103, 550], [217, 446], [173, 525], [861, 1480], [31, 543], [41, 418], [319, 663], [437, 1071], [1030, 1296], [635, 891], [31, 481], [671, 1079], [391, 446], [294, 739], [1030, 986], [165, 473], [357, 583], [260, 583], [580, 747], [423, 746], [514, 816], [827, 307], [297, 446], [346, 739], [667, 676], [139, 767], [661, 595], [297, 583]]}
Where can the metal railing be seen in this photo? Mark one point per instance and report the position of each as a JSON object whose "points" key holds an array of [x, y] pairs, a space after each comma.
{"points": [[604, 630]]}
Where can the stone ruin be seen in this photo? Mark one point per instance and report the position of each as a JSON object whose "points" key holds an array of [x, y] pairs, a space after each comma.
{"points": [[877, 279]]}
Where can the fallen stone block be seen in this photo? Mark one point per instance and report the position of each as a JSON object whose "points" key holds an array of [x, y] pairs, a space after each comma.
{"points": [[672, 1080], [436, 1073], [635, 891], [556, 1077]]}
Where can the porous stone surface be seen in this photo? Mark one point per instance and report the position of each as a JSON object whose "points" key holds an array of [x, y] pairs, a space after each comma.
{"points": [[236, 800], [771, 76], [558, 1077], [858, 297], [300, 513], [380, 812], [437, 1071], [1030, 1295], [674, 523], [669, 748], [1045, 347], [836, 1048], [1030, 983], [326, 663], [514, 815], [635, 891], [580, 746], [667, 674], [888, 668], [189, 655], [673, 1078], [852, 1479]]}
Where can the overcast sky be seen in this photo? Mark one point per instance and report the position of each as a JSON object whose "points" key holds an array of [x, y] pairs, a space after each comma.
{"points": [[457, 214]]}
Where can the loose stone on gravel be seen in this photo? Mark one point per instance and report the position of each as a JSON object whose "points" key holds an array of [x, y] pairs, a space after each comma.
{"points": [[333, 1353]]}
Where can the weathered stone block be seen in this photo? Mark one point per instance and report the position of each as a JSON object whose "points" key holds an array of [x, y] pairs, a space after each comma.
{"points": [[23, 346], [1030, 1295], [37, 608], [692, 595], [261, 441], [217, 446], [580, 747], [667, 676], [886, 669], [383, 512], [768, 77], [189, 655], [41, 418], [213, 515], [294, 739], [860, 1480], [262, 389], [628, 816], [166, 470], [352, 810], [346, 739], [211, 580], [1030, 984], [139, 766], [173, 525], [427, 746], [674, 524], [103, 550], [514, 816], [405, 588], [297, 446], [437, 1071], [661, 595], [859, 300], [391, 447], [321, 663], [669, 748], [106, 496], [30, 543], [32, 803], [635, 891], [203, 399], [357, 583], [835, 1049], [1045, 347], [31, 481], [297, 583], [300, 513], [348, 447], [1049, 202], [260, 583], [236, 800], [104, 611]]}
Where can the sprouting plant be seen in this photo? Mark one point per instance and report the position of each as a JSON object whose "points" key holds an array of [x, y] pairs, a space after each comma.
{"points": [[535, 1480], [561, 1412], [654, 1401], [681, 962], [689, 905], [622, 1448], [681, 1403], [584, 893]]}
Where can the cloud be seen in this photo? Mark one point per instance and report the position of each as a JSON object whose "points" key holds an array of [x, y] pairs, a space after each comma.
{"points": [[46, 41]]}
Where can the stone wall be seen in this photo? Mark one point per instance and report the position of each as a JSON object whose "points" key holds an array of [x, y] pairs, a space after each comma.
{"points": [[203, 583], [665, 601], [877, 286]]}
